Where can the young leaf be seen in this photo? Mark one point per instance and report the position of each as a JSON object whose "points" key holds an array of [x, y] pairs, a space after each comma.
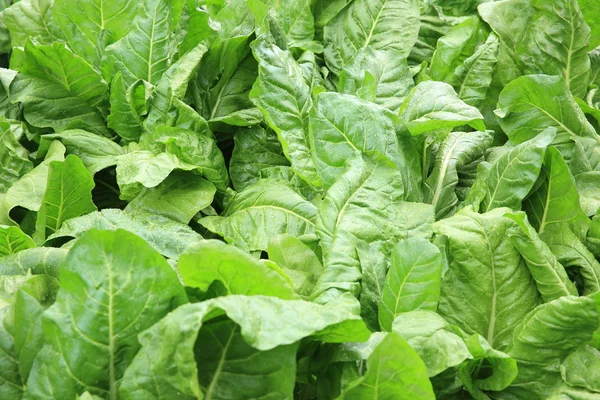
{"points": [[393, 369], [68, 195], [413, 281]]}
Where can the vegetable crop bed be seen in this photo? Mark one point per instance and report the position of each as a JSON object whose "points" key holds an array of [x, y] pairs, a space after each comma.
{"points": [[299, 199]]}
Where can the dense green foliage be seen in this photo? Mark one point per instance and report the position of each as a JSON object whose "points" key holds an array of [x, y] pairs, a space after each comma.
{"points": [[299, 199]]}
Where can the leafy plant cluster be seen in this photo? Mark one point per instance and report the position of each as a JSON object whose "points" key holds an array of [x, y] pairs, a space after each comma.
{"points": [[299, 199]]}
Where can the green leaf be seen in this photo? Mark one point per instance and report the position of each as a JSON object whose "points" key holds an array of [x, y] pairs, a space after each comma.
{"points": [[556, 201], [41, 260], [550, 276], [127, 103], [166, 107], [68, 195], [100, 310], [379, 24], [530, 104], [435, 106], [59, 89], [413, 281], [393, 369], [96, 152], [544, 38], [380, 76], [13, 156], [580, 368], [255, 149], [298, 261], [14, 240], [28, 191], [197, 148], [487, 288], [260, 212], [179, 197], [146, 51], [364, 204], [437, 343], [89, 25], [283, 96], [514, 172], [280, 323], [571, 253], [169, 237], [342, 126], [544, 338], [466, 58], [30, 19], [210, 260], [457, 150]]}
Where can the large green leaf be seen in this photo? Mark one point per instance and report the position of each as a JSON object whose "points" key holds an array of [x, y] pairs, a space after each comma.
{"points": [[266, 324], [544, 338], [394, 370], [210, 260], [30, 19], [435, 106], [263, 210], [283, 96], [378, 24], [59, 89], [413, 281], [380, 76], [544, 38], [146, 51], [68, 195], [465, 59], [167, 236], [99, 311], [343, 126], [89, 25], [550, 276], [344, 221], [487, 288], [255, 149]]}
